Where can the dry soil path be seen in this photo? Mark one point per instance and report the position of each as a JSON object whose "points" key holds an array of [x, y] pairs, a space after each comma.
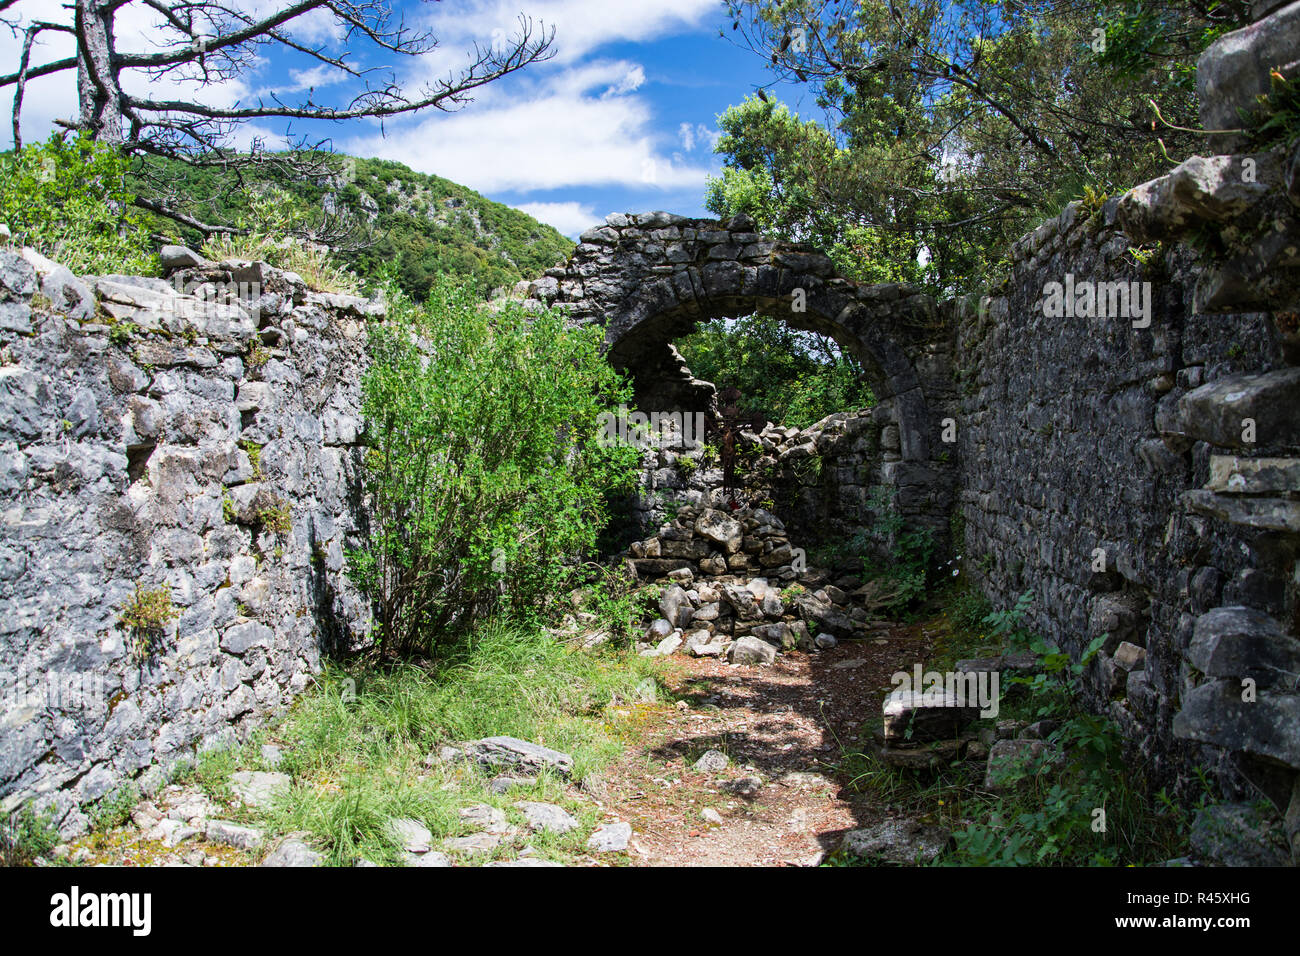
{"points": [[783, 725]]}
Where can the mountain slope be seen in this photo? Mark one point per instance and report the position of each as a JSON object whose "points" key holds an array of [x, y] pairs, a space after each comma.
{"points": [[406, 224]]}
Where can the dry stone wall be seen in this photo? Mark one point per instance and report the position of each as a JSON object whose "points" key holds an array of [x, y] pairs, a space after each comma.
{"points": [[1139, 471], [194, 436]]}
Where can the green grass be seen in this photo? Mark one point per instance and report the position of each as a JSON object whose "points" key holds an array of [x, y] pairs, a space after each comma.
{"points": [[26, 836], [355, 746]]}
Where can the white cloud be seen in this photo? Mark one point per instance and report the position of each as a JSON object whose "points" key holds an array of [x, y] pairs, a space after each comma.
{"points": [[630, 83], [558, 133], [320, 75], [697, 135], [571, 218], [581, 26]]}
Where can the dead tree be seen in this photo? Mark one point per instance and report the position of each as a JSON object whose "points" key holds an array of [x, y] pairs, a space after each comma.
{"points": [[209, 42]]}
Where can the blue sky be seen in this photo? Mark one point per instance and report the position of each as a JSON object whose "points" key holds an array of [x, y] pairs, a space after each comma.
{"points": [[622, 119]]}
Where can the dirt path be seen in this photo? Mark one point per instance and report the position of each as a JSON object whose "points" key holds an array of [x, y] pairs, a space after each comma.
{"points": [[783, 725]]}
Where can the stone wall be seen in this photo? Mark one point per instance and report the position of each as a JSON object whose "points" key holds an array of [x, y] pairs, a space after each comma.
{"points": [[203, 444], [649, 278], [1141, 474]]}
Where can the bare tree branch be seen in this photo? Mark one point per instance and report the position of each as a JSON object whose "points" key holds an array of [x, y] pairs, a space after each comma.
{"points": [[209, 42]]}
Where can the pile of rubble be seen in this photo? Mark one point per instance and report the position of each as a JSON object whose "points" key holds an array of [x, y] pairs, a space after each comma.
{"points": [[715, 542], [711, 607]]}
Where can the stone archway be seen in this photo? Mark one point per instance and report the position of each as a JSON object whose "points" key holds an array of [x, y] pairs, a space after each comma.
{"points": [[648, 279]]}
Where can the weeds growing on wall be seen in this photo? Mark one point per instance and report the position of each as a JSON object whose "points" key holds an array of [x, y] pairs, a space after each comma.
{"points": [[268, 233]]}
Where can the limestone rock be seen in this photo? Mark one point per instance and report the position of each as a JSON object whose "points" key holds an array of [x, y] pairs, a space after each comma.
{"points": [[548, 817], [232, 834], [1268, 726], [510, 753], [293, 852], [751, 650], [1242, 642], [484, 817], [411, 835], [720, 528], [259, 788], [919, 716], [896, 841], [711, 761], [610, 838], [1238, 835]]}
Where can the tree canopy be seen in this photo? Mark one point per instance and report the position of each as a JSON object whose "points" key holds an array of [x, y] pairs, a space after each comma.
{"points": [[949, 126]]}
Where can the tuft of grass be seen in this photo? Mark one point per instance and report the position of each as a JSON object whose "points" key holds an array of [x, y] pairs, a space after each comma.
{"points": [[356, 744], [114, 809], [146, 615], [316, 265], [26, 836], [276, 518]]}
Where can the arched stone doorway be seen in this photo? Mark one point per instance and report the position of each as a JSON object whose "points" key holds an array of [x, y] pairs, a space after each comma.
{"points": [[649, 279]]}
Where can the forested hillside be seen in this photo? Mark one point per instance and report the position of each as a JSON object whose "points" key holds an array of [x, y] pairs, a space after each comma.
{"points": [[384, 219]]}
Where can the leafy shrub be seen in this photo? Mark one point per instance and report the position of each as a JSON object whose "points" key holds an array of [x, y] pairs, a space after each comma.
{"points": [[904, 573], [114, 809], [613, 596], [121, 332], [968, 608], [67, 199], [1046, 810], [26, 835], [485, 476]]}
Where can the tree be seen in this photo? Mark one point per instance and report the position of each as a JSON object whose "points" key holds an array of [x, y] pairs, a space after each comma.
{"points": [[209, 42], [957, 123], [788, 376]]}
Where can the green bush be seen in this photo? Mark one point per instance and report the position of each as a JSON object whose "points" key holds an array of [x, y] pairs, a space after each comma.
{"points": [[68, 200], [26, 836], [904, 573], [484, 473]]}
